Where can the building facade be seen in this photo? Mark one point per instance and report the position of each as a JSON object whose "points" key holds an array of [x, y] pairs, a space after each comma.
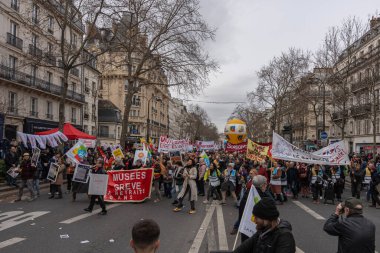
{"points": [[177, 119], [109, 129]]}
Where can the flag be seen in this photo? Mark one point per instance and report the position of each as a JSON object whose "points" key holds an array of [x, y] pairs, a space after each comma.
{"points": [[256, 152], [206, 159], [247, 226]]}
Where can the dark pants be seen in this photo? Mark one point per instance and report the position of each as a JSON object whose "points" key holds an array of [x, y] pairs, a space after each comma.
{"points": [[214, 190], [168, 190], [180, 200], [316, 188], [201, 186], [69, 181], [100, 200], [355, 189], [374, 196], [56, 188], [11, 181]]}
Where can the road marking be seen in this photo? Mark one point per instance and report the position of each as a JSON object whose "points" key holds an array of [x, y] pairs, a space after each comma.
{"points": [[222, 236], [83, 216], [308, 210], [7, 215], [202, 230], [298, 250], [21, 219], [211, 240], [11, 242]]}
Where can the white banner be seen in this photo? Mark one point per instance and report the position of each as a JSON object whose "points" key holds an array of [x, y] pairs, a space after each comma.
{"points": [[205, 145], [167, 145], [283, 150], [247, 226], [88, 143], [98, 184], [140, 155], [336, 153]]}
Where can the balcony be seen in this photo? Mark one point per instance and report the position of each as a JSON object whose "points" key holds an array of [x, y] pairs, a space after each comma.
{"points": [[12, 110], [360, 110], [50, 59], [35, 51], [36, 83], [360, 85], [75, 72], [15, 6], [14, 41], [86, 115], [106, 135], [34, 114], [339, 115], [49, 116]]}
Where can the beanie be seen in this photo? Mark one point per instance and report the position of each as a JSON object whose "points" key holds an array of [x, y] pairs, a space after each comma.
{"points": [[266, 209]]}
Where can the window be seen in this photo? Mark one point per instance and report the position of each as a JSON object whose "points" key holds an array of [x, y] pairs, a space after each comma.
{"points": [[12, 102], [93, 88], [358, 127], [13, 30], [50, 24], [14, 5], [351, 127], [34, 40], [378, 125], [94, 131], [104, 130], [74, 40], [86, 86], [35, 10], [367, 126], [50, 48], [49, 78], [33, 107], [12, 65], [73, 115], [74, 86], [49, 110], [85, 128], [33, 73]]}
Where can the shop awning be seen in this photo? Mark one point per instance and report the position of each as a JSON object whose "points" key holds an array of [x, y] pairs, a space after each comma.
{"points": [[70, 131]]}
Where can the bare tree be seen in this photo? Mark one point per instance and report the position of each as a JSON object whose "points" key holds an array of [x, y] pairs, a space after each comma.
{"points": [[159, 43], [278, 78], [199, 126]]}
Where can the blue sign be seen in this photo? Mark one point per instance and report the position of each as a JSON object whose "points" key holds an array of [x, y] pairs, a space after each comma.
{"points": [[324, 135]]}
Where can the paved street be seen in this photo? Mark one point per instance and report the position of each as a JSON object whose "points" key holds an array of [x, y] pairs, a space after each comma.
{"points": [[39, 225]]}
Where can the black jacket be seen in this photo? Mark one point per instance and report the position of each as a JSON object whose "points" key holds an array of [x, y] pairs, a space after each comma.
{"points": [[356, 233], [279, 240], [11, 159]]}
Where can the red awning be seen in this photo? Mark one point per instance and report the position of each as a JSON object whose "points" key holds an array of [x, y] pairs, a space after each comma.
{"points": [[70, 131]]}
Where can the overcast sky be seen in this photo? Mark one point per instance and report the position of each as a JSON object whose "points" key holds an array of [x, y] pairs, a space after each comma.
{"points": [[251, 32]]}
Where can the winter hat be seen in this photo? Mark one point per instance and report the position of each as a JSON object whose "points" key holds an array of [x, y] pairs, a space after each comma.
{"points": [[352, 203], [266, 209]]}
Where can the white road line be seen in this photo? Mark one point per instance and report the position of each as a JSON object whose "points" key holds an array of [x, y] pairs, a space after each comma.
{"points": [[211, 239], [83, 216], [202, 231], [222, 236], [11, 241], [298, 250], [308, 210]]}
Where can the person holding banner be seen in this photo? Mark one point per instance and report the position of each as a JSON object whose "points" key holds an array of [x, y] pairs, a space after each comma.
{"points": [[273, 234], [316, 182], [213, 175], [275, 182], [27, 170], [57, 185], [189, 186], [98, 169]]}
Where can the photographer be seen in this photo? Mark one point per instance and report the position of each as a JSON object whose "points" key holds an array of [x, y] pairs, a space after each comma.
{"points": [[356, 233]]}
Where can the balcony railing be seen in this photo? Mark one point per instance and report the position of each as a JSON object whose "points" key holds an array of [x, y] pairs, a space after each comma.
{"points": [[75, 72], [15, 6], [49, 116], [360, 109], [339, 115], [36, 83], [34, 114], [62, 10], [35, 51], [12, 110], [50, 59], [14, 41], [106, 135], [357, 86]]}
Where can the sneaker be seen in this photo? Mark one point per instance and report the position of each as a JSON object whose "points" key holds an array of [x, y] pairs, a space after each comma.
{"points": [[88, 210], [234, 231], [177, 209], [192, 211], [104, 212], [205, 201]]}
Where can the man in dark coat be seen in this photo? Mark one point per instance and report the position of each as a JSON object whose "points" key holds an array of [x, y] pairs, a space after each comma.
{"points": [[11, 161], [27, 171], [273, 234], [356, 233]]}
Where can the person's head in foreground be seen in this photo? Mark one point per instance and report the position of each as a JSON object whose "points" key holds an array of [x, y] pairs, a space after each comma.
{"points": [[265, 214], [145, 236]]}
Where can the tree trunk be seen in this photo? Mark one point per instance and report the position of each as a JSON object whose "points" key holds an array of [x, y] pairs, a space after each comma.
{"points": [[125, 119], [62, 101]]}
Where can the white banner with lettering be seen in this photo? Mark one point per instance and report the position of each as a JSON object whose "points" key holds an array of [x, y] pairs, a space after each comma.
{"points": [[168, 145], [282, 149], [205, 145], [336, 153]]}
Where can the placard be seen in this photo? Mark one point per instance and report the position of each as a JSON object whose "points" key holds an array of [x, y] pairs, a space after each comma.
{"points": [[81, 173], [175, 157], [53, 172], [13, 172], [36, 155], [98, 184], [78, 152], [118, 153], [140, 155]]}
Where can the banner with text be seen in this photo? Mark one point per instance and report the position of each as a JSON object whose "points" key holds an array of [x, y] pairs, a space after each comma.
{"points": [[205, 145], [336, 153], [167, 145], [240, 148], [256, 152], [282, 149], [129, 185]]}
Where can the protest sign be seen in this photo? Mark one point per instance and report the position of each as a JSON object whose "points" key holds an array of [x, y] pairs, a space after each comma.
{"points": [[256, 152], [98, 184], [118, 153], [240, 148], [140, 155], [175, 157], [81, 173], [78, 152], [13, 172], [167, 145], [129, 185], [247, 226], [53, 172], [88, 143], [336, 153], [36, 155], [205, 145]]}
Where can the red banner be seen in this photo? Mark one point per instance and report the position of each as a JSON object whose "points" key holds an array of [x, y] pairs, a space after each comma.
{"points": [[240, 148], [129, 185]]}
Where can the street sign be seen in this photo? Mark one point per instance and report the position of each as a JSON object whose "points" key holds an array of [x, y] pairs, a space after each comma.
{"points": [[324, 135]]}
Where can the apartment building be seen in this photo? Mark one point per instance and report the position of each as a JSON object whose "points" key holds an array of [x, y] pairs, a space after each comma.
{"points": [[177, 119], [31, 75], [361, 62]]}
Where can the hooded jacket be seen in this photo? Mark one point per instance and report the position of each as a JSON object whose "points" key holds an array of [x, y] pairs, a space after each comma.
{"points": [[356, 233], [277, 240]]}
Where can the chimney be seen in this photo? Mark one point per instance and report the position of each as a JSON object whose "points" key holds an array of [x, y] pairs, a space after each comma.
{"points": [[374, 22]]}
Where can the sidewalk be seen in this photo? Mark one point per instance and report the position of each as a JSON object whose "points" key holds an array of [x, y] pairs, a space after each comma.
{"points": [[6, 191]]}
